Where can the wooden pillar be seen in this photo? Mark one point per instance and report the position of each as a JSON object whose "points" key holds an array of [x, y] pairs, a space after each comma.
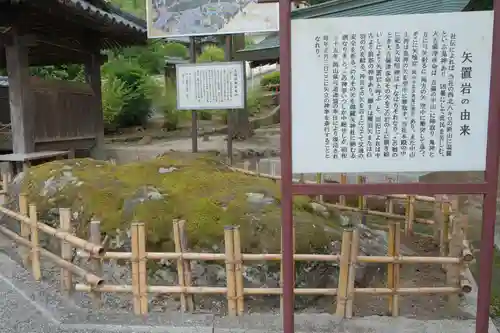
{"points": [[22, 115], [93, 78], [241, 118]]}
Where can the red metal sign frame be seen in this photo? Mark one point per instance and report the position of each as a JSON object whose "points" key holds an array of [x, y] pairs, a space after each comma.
{"points": [[488, 188]]}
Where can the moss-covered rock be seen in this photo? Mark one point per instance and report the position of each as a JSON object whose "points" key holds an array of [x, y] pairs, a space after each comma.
{"points": [[196, 188]]}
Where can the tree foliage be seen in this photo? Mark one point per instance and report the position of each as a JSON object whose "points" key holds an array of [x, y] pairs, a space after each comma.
{"points": [[135, 7]]}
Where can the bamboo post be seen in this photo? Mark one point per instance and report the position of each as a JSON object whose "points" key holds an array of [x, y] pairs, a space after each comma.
{"points": [[229, 249], [188, 276], [352, 273], [273, 168], [396, 272], [25, 229], [5, 181], [389, 201], [361, 198], [453, 270], [438, 219], [257, 168], [319, 180], [95, 237], [180, 265], [343, 180], [136, 293], [66, 250], [344, 272], [240, 301], [410, 215], [35, 244], [143, 273], [390, 267], [445, 230]]}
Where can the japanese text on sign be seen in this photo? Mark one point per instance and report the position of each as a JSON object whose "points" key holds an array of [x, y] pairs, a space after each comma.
{"points": [[210, 86], [410, 96]]}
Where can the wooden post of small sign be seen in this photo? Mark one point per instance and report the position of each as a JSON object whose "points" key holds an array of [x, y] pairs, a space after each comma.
{"points": [[66, 251], [95, 238], [35, 244], [230, 118], [194, 114]]}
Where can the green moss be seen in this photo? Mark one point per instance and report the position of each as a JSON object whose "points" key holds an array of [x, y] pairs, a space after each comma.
{"points": [[201, 190]]}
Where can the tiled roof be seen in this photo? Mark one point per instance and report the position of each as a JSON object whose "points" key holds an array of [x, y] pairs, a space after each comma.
{"points": [[105, 12], [112, 18], [342, 8]]}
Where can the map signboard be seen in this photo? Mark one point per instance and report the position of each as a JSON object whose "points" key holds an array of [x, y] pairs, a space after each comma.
{"points": [[210, 86], [391, 93], [176, 18]]}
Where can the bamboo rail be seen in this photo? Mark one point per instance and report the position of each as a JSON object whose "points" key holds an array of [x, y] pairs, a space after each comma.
{"points": [[62, 235], [235, 290], [29, 240]]}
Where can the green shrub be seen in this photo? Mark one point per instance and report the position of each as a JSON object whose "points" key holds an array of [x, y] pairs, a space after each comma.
{"points": [[168, 106], [140, 86], [270, 79], [211, 54], [254, 101], [115, 95], [174, 49]]}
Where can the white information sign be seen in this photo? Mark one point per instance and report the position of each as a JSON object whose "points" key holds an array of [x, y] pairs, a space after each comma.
{"points": [[208, 86], [391, 93]]}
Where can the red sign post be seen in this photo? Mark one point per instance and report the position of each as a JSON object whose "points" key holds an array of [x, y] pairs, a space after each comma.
{"points": [[488, 187]]}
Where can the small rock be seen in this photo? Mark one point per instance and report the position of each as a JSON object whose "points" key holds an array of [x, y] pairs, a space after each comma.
{"points": [[166, 170]]}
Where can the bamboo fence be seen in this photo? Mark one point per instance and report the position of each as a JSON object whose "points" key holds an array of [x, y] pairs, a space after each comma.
{"points": [[450, 231], [455, 262], [29, 240]]}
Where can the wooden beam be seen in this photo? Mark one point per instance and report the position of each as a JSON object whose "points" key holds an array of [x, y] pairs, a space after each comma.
{"points": [[8, 38], [22, 115], [93, 78]]}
